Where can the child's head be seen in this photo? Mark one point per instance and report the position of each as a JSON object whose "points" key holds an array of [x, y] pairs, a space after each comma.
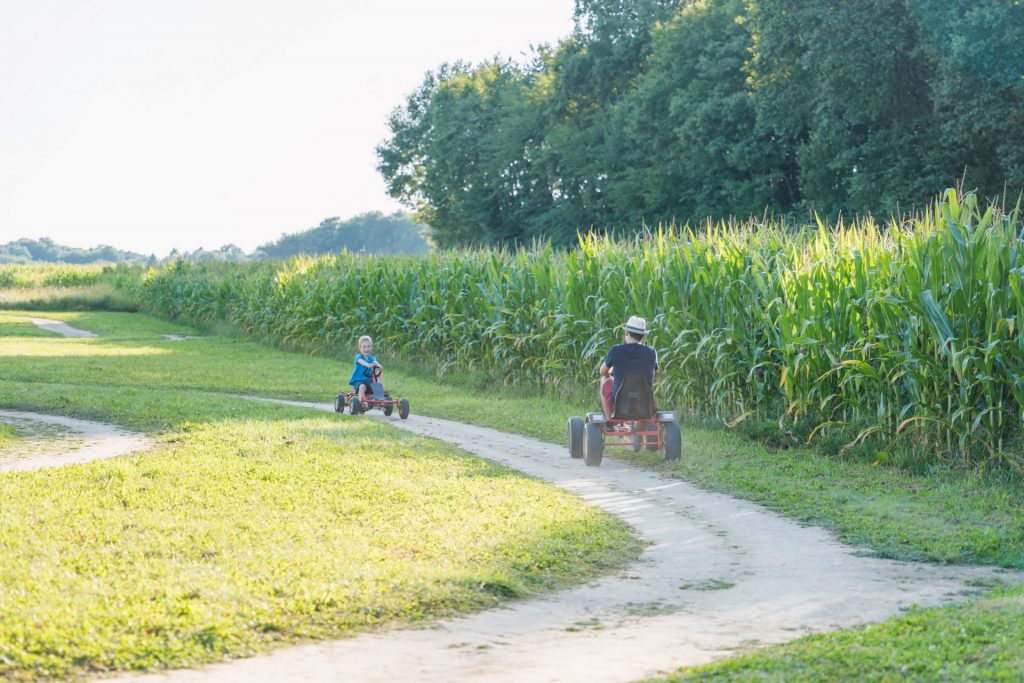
{"points": [[365, 345]]}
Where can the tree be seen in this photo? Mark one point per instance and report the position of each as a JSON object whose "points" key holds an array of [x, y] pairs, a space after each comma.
{"points": [[686, 136]]}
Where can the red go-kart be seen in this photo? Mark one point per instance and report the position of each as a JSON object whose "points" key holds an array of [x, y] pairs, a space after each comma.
{"points": [[376, 397], [636, 424]]}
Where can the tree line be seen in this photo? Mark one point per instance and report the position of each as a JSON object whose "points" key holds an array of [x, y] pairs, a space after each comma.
{"points": [[366, 233], [662, 111]]}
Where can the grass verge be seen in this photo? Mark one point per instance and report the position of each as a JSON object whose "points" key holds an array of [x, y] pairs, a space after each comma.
{"points": [[252, 524], [8, 434], [978, 641]]}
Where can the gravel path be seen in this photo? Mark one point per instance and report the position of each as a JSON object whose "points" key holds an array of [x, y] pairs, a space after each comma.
{"points": [[720, 576]]}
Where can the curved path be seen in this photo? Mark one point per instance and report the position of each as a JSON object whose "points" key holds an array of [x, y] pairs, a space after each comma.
{"points": [[53, 441], [720, 575]]}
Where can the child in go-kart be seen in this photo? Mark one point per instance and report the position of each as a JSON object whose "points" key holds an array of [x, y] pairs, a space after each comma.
{"points": [[624, 359], [366, 365]]}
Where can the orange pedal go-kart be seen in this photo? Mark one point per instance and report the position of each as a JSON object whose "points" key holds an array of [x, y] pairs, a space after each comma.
{"points": [[377, 397], [636, 423]]}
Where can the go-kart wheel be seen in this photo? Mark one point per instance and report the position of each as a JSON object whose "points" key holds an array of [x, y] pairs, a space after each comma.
{"points": [[638, 441], [593, 449], [388, 409], [673, 441], [355, 407], [339, 404], [403, 408], [576, 437]]}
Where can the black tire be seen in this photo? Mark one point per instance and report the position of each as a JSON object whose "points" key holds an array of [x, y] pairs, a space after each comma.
{"points": [[403, 408], [388, 409], [594, 448], [638, 441], [673, 441], [339, 404], [576, 437], [355, 407]]}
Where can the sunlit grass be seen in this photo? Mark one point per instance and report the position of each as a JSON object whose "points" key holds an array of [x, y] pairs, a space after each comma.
{"points": [[8, 434], [252, 524], [248, 532], [980, 641], [98, 296], [67, 348]]}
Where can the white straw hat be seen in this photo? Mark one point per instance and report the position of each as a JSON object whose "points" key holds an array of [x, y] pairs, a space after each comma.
{"points": [[636, 325]]}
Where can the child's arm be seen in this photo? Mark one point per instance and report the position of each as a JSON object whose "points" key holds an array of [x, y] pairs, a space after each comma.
{"points": [[364, 363]]}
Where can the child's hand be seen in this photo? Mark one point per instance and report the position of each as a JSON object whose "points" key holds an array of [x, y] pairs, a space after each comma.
{"points": [[378, 365]]}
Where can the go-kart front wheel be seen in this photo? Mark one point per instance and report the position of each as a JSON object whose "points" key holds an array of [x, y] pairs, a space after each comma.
{"points": [[355, 407], [593, 449], [388, 409], [403, 408], [576, 437]]}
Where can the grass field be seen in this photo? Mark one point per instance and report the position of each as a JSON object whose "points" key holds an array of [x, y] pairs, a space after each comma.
{"points": [[250, 525], [937, 515]]}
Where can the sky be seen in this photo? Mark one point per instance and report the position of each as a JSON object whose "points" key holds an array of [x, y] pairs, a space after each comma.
{"points": [[151, 125]]}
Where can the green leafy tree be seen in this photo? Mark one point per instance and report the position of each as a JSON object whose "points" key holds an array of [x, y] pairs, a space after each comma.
{"points": [[844, 83], [686, 136], [978, 89]]}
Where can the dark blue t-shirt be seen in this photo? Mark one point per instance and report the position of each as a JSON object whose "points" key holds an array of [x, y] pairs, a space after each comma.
{"points": [[625, 359]]}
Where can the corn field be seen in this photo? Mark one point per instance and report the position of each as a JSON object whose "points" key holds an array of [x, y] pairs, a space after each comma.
{"points": [[899, 332]]}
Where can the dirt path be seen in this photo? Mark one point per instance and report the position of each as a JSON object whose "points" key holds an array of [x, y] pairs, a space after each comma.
{"points": [[60, 328], [53, 441], [721, 575]]}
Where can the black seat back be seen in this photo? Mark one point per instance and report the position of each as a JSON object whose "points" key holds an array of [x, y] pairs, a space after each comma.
{"points": [[635, 398]]}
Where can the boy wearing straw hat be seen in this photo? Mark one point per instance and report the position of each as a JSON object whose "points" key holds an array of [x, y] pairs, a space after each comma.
{"points": [[624, 359]]}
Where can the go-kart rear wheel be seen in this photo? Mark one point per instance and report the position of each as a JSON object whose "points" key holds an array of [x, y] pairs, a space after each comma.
{"points": [[355, 407], [594, 444], [388, 409], [339, 403], [576, 437], [673, 441], [403, 408]]}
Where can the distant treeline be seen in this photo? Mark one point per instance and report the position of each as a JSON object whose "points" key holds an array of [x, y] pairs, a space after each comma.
{"points": [[366, 233], [47, 251], [657, 111]]}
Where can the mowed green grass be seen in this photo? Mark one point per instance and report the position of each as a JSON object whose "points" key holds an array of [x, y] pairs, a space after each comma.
{"points": [[250, 524], [942, 515], [980, 641]]}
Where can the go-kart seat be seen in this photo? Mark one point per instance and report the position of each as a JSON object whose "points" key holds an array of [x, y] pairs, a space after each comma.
{"points": [[635, 398]]}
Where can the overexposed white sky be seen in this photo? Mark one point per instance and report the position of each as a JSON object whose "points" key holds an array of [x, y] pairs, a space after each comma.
{"points": [[158, 124]]}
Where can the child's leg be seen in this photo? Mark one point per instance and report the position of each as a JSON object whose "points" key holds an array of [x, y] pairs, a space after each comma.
{"points": [[362, 390], [606, 395]]}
